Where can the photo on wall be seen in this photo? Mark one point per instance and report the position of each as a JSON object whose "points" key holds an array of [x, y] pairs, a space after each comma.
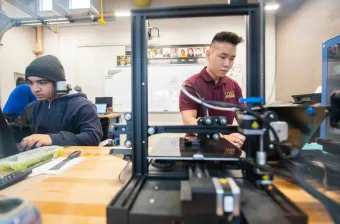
{"points": [[166, 52], [151, 53], [159, 53], [182, 53], [123, 60], [199, 52], [205, 49], [191, 52], [174, 52], [128, 59]]}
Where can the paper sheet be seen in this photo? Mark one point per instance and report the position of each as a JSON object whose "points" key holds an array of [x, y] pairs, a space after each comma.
{"points": [[44, 169], [318, 90]]}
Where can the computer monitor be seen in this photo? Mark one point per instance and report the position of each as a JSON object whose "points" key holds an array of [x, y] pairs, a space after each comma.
{"points": [[8, 146], [101, 108], [105, 100]]}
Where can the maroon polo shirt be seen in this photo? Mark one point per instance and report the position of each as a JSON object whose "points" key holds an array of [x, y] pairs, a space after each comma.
{"points": [[226, 90]]}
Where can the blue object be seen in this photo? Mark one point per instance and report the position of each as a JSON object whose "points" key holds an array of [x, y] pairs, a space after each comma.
{"points": [[18, 100], [251, 100], [312, 146], [310, 111]]}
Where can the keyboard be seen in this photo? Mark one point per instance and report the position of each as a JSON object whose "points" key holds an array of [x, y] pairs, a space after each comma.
{"points": [[13, 178]]}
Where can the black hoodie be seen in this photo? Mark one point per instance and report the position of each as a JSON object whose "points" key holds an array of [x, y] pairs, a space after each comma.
{"points": [[68, 120]]}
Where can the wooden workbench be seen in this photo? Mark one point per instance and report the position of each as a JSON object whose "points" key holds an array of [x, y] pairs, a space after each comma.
{"points": [[81, 193], [110, 116]]}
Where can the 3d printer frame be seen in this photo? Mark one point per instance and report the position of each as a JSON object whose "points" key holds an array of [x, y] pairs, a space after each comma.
{"points": [[125, 207], [255, 79]]}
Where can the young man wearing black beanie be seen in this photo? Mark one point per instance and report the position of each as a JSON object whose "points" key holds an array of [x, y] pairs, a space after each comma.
{"points": [[65, 120]]}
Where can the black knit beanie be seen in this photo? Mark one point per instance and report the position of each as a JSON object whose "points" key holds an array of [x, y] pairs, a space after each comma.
{"points": [[47, 67]]}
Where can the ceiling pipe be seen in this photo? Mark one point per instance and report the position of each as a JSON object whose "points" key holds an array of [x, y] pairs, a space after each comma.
{"points": [[39, 41]]}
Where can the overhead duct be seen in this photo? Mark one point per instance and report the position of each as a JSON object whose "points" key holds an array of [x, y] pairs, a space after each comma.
{"points": [[84, 6], [50, 8], [68, 7], [13, 9]]}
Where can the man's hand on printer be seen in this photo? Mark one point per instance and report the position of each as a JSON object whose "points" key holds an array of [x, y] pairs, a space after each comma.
{"points": [[236, 139], [35, 141]]}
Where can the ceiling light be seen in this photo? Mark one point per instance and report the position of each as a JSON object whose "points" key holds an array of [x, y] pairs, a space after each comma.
{"points": [[271, 6], [30, 21], [31, 24], [55, 20], [122, 13], [80, 4]]}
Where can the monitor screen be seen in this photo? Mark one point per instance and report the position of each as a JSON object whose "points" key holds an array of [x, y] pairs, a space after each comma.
{"points": [[101, 108], [8, 146]]}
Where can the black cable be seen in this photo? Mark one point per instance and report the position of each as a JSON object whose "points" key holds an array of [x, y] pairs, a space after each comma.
{"points": [[249, 111]]}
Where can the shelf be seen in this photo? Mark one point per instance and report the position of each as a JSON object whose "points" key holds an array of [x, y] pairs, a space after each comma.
{"points": [[334, 131], [334, 59], [174, 58], [333, 76]]}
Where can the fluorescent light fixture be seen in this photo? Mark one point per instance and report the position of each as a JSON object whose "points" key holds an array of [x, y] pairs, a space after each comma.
{"points": [[57, 22], [29, 21], [122, 13], [80, 4], [56, 19], [31, 24], [271, 6]]}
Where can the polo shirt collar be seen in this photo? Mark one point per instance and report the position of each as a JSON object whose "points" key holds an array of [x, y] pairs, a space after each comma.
{"points": [[205, 75]]}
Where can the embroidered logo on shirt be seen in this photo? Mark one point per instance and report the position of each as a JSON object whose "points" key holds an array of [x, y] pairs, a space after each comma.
{"points": [[230, 94]]}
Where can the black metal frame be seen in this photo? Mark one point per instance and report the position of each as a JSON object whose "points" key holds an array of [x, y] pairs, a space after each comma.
{"points": [[255, 75], [130, 204]]}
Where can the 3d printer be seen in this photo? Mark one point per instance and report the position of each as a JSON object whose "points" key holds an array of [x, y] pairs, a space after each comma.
{"points": [[202, 182]]}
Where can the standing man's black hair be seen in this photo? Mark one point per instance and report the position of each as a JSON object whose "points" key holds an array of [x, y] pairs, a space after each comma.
{"points": [[228, 37]]}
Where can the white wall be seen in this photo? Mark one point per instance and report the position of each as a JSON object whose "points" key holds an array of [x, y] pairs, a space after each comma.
{"points": [[64, 44], [15, 55], [175, 31], [299, 46]]}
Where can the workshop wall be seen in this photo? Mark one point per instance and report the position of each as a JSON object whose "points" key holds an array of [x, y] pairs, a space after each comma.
{"points": [[299, 46], [16, 53], [67, 41], [64, 45]]}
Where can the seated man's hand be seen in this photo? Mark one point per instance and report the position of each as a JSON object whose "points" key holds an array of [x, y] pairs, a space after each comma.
{"points": [[35, 140], [236, 139]]}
